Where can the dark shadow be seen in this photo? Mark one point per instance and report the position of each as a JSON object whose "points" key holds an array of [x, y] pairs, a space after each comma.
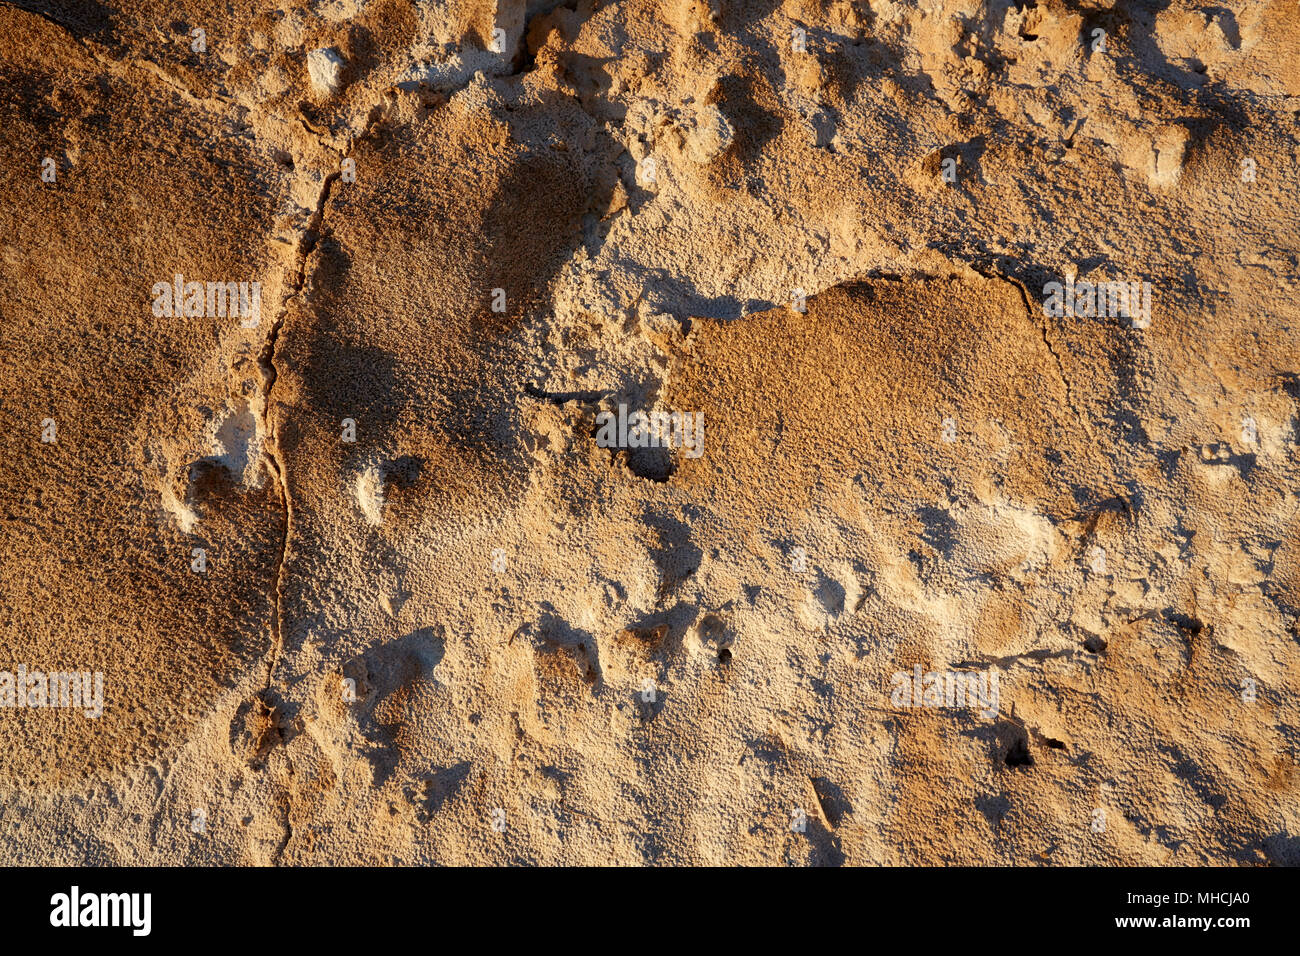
{"points": [[825, 846], [436, 788], [835, 804], [659, 636], [749, 105], [1202, 784], [84, 19], [1282, 849], [940, 529], [1013, 745], [676, 556], [993, 808], [391, 675]]}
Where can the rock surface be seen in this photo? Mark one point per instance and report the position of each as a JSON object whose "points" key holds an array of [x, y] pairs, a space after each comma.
{"points": [[362, 583]]}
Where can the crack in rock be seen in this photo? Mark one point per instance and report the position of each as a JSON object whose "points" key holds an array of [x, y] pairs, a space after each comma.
{"points": [[270, 374]]}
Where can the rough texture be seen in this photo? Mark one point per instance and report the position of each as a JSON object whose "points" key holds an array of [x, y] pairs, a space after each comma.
{"points": [[436, 621]]}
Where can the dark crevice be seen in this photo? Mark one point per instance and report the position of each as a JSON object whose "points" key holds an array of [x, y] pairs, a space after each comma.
{"points": [[561, 398], [1018, 754]]}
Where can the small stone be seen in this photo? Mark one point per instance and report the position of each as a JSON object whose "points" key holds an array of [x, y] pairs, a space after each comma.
{"points": [[326, 69], [710, 137]]}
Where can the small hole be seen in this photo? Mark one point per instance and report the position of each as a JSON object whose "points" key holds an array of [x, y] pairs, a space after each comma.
{"points": [[655, 464], [724, 655], [1054, 743], [1018, 754]]}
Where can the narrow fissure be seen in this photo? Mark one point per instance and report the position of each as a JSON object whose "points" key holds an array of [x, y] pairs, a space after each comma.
{"points": [[270, 374]]}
